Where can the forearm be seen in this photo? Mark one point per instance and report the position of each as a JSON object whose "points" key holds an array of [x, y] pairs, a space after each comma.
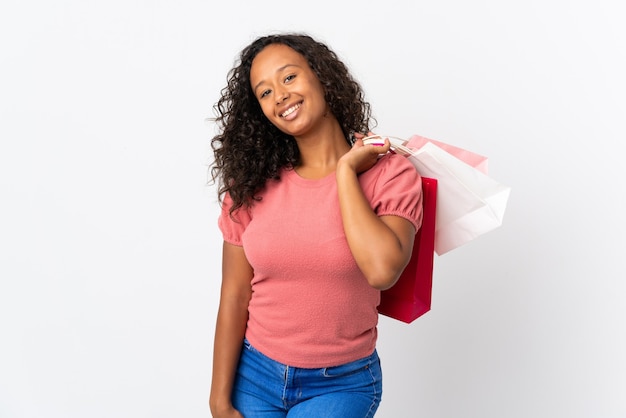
{"points": [[229, 333], [377, 249]]}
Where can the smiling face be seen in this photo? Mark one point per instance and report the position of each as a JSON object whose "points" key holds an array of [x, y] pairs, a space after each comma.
{"points": [[290, 94]]}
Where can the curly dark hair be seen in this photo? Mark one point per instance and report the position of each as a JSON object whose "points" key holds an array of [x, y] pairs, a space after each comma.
{"points": [[250, 150]]}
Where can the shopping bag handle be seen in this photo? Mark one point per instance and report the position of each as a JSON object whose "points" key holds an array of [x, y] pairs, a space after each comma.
{"points": [[397, 144]]}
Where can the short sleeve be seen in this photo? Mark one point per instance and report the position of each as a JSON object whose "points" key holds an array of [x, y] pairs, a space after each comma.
{"points": [[397, 189], [232, 225]]}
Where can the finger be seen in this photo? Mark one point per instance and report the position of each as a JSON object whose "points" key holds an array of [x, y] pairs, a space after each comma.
{"points": [[361, 135], [381, 148], [358, 142]]}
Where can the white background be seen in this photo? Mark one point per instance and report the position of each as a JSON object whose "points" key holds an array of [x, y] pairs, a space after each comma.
{"points": [[109, 250]]}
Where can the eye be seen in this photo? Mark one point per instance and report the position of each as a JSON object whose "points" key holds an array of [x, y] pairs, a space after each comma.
{"points": [[289, 78], [264, 93]]}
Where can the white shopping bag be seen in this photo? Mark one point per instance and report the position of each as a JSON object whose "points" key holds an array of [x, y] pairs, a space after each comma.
{"points": [[469, 202]]}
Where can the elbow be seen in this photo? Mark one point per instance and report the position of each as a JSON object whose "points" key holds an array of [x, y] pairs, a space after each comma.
{"points": [[383, 280], [382, 284], [383, 271], [384, 275]]}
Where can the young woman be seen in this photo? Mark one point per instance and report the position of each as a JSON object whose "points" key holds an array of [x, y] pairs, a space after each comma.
{"points": [[315, 224]]}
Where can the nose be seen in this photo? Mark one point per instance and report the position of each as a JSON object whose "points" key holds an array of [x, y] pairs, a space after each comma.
{"points": [[281, 96]]}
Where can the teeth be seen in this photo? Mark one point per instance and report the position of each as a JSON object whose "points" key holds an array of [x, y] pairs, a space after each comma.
{"points": [[290, 110]]}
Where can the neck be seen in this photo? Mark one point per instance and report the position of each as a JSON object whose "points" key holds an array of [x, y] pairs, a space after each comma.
{"points": [[320, 151]]}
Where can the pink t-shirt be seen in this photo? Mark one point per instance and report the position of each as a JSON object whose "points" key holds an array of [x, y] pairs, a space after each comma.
{"points": [[311, 306]]}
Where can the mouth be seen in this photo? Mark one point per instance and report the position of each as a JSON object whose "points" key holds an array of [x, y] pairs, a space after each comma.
{"points": [[291, 110]]}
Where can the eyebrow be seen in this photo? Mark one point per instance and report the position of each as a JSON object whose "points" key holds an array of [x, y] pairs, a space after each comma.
{"points": [[279, 69]]}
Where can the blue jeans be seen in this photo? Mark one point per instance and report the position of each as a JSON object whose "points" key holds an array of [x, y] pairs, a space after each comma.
{"points": [[268, 389]]}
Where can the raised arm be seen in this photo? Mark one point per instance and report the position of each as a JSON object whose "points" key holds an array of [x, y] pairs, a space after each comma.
{"points": [[381, 246]]}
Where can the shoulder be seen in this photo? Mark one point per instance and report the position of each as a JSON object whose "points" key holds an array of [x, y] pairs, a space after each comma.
{"points": [[390, 166], [396, 161], [393, 186]]}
